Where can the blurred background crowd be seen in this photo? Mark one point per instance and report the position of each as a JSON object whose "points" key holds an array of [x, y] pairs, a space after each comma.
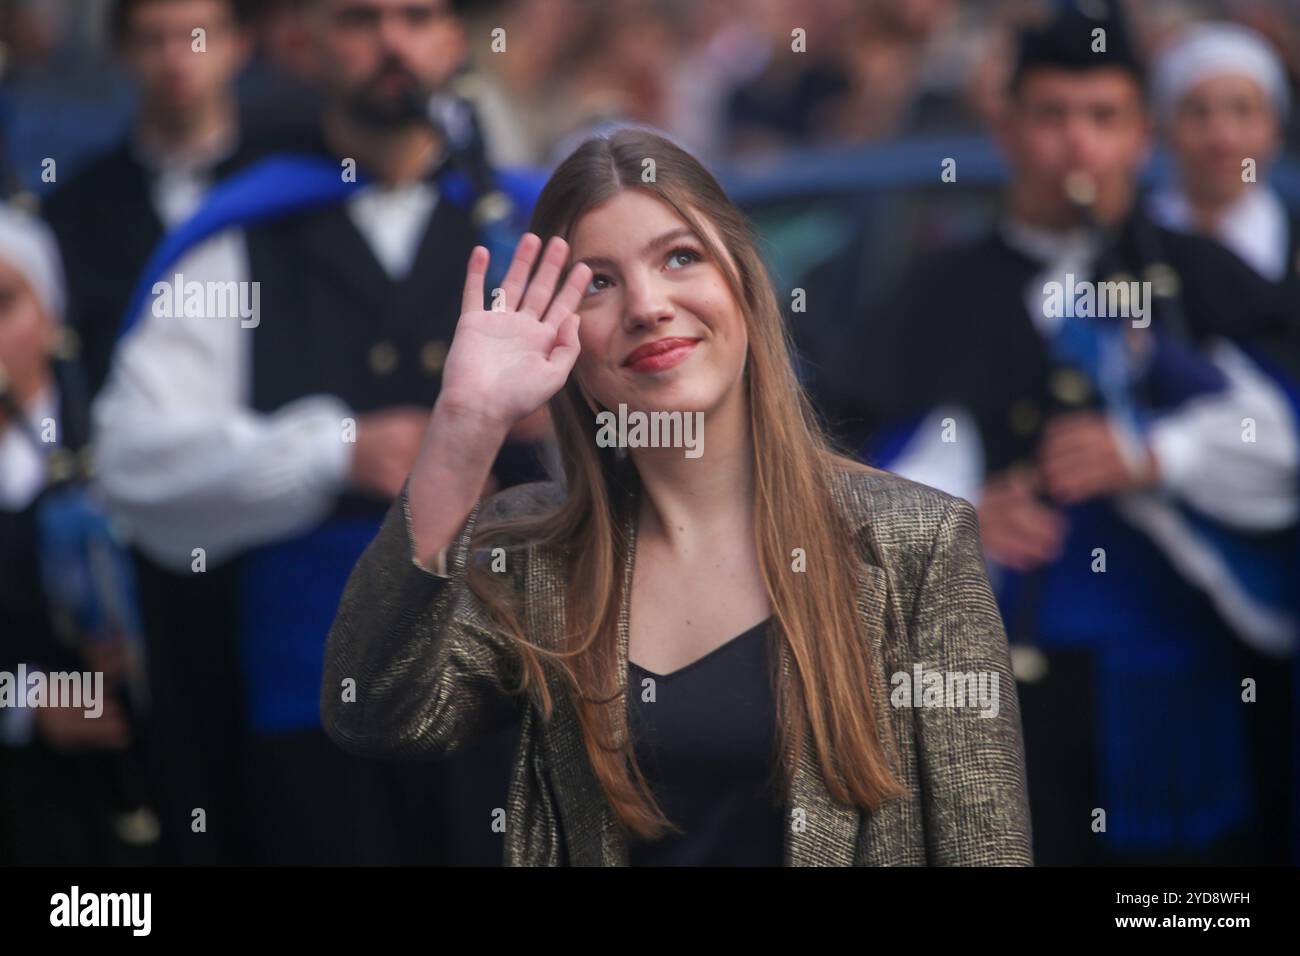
{"points": [[830, 122], [718, 76]]}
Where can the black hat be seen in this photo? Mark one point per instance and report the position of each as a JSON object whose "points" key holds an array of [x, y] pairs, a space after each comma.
{"points": [[1068, 41]]}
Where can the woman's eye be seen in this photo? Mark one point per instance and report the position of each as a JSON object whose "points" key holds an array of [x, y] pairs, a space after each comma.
{"points": [[593, 287], [688, 254]]}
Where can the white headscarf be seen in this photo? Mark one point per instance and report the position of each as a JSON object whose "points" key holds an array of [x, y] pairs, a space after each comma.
{"points": [[27, 245], [1215, 49]]}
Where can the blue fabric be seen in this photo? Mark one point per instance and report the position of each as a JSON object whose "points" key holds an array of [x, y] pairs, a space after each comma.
{"points": [[1163, 660], [886, 445], [86, 570], [289, 593], [1170, 720], [287, 183], [1097, 348], [1287, 382], [522, 187], [1179, 372], [1135, 384], [1295, 762], [1266, 567], [276, 186], [1138, 387]]}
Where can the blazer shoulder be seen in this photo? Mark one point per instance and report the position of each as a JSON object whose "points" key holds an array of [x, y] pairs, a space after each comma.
{"points": [[895, 514], [874, 494]]}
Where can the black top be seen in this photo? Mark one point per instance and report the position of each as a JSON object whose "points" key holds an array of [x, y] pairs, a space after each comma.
{"points": [[706, 743]]}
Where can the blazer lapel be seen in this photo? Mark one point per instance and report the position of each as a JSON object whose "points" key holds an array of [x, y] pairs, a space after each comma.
{"points": [[593, 834], [826, 832]]}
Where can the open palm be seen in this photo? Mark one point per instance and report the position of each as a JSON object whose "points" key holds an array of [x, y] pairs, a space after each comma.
{"points": [[506, 364]]}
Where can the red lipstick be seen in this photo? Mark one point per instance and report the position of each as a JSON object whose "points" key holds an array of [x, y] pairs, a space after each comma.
{"points": [[660, 354]]}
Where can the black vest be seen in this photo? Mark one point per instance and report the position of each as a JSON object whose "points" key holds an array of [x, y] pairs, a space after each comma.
{"points": [[106, 227], [332, 321], [959, 331]]}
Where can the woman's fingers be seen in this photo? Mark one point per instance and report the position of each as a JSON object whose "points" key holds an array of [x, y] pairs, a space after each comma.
{"points": [[538, 297], [542, 287], [472, 298], [566, 349], [570, 294], [517, 275]]}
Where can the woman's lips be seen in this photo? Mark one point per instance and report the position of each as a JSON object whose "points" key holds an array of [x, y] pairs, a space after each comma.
{"points": [[659, 356]]}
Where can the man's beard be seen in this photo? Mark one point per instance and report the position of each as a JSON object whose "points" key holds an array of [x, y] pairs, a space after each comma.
{"points": [[390, 110]]}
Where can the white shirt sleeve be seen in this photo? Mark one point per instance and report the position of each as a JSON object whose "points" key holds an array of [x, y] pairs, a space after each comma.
{"points": [[1233, 455], [182, 458]]}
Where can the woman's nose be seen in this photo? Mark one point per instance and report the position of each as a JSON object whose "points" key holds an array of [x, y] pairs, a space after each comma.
{"points": [[647, 303]]}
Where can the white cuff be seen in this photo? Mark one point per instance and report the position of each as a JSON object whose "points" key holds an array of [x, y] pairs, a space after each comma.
{"points": [[313, 427], [1176, 453]]}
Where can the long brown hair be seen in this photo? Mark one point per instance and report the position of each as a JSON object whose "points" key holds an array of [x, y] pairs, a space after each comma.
{"points": [[831, 689]]}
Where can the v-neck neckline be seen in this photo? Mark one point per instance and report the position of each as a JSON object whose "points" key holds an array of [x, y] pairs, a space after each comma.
{"points": [[731, 642], [833, 840]]}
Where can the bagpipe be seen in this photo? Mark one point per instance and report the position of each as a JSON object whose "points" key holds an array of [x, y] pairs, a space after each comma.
{"points": [[85, 567], [1136, 372], [1132, 370], [88, 581]]}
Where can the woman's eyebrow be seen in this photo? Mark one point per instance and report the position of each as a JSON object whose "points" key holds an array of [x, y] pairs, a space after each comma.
{"points": [[681, 232], [672, 235]]}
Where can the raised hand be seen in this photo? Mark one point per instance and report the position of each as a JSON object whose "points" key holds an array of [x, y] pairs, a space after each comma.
{"points": [[501, 367], [504, 365]]}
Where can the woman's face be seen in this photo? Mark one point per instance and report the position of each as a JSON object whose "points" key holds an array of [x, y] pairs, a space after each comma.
{"points": [[1218, 123], [660, 329]]}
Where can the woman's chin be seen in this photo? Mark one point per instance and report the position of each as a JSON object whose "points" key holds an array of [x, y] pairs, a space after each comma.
{"points": [[667, 400]]}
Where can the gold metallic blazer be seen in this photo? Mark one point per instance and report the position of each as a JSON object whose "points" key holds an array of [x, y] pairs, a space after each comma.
{"points": [[426, 668]]}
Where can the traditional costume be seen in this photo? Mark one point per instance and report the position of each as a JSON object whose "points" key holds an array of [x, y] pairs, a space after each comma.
{"points": [[233, 436], [1133, 646]]}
